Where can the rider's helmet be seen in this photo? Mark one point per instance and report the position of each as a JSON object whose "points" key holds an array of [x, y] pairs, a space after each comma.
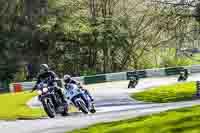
{"points": [[67, 78], [44, 68], [181, 73], [186, 70]]}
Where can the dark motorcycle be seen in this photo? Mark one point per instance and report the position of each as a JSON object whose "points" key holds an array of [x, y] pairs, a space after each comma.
{"points": [[133, 82], [79, 99], [51, 101], [182, 77]]}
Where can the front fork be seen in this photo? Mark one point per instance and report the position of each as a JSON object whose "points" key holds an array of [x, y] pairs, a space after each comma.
{"points": [[40, 97], [83, 97]]}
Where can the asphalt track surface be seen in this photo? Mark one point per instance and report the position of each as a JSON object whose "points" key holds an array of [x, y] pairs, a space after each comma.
{"points": [[112, 102]]}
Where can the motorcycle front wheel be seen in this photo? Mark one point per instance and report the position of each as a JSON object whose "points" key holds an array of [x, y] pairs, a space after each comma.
{"points": [[48, 107], [82, 106]]}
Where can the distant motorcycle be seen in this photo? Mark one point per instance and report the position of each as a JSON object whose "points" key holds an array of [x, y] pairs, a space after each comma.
{"points": [[80, 100], [183, 76], [133, 82], [51, 100]]}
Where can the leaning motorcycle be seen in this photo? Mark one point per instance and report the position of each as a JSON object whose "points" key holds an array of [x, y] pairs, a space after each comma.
{"points": [[80, 100], [133, 82], [51, 101], [182, 77]]}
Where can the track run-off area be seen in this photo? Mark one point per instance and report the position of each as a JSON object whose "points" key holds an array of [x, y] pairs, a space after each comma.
{"points": [[112, 103]]}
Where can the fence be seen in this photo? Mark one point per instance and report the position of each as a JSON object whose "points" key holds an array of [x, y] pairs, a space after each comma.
{"points": [[15, 87]]}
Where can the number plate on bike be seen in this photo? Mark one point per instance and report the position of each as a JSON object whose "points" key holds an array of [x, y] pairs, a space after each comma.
{"points": [[72, 92]]}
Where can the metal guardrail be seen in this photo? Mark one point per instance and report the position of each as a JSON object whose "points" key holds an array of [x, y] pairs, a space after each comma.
{"points": [[158, 72]]}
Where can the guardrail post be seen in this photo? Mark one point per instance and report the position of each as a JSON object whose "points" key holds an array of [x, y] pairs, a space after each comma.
{"points": [[198, 88]]}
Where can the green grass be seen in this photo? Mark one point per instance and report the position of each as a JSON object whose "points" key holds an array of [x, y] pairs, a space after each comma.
{"points": [[170, 93], [195, 59], [13, 106], [186, 120]]}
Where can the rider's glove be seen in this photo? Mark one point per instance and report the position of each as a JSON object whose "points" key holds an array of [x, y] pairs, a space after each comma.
{"points": [[33, 89]]}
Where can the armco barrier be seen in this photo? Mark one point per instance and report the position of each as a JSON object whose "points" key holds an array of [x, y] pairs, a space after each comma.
{"points": [[17, 87], [121, 76], [4, 86], [116, 76], [195, 69], [21, 86], [95, 79], [80, 79], [140, 74], [188, 68], [155, 72], [173, 70]]}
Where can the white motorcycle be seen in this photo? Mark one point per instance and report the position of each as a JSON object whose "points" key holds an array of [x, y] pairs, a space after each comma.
{"points": [[79, 99]]}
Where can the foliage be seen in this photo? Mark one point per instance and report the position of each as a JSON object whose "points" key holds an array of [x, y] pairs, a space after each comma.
{"points": [[88, 72], [20, 75], [171, 93], [100, 35], [168, 61]]}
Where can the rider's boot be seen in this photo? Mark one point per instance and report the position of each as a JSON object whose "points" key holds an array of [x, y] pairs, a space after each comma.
{"points": [[92, 110], [65, 112], [61, 96]]}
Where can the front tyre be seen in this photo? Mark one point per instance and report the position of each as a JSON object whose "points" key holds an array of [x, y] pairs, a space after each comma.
{"points": [[81, 105], [49, 107]]}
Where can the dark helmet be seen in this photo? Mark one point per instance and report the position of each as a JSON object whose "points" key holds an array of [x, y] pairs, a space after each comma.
{"points": [[67, 78], [44, 68], [182, 73]]}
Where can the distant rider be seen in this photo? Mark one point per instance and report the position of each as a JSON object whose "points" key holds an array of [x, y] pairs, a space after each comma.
{"points": [[186, 73], [50, 77], [133, 81], [183, 75]]}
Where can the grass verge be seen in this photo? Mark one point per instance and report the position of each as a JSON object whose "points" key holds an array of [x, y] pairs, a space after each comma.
{"points": [[170, 93], [13, 106], [184, 120]]}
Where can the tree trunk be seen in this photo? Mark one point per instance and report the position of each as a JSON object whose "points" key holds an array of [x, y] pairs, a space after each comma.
{"points": [[105, 58]]}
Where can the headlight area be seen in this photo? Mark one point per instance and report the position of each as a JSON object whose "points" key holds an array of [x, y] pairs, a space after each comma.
{"points": [[45, 90], [39, 92]]}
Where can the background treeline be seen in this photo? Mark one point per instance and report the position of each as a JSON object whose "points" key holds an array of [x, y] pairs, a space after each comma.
{"points": [[82, 37]]}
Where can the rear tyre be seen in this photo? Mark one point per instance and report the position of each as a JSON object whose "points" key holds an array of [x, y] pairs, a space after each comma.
{"points": [[49, 107]]}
